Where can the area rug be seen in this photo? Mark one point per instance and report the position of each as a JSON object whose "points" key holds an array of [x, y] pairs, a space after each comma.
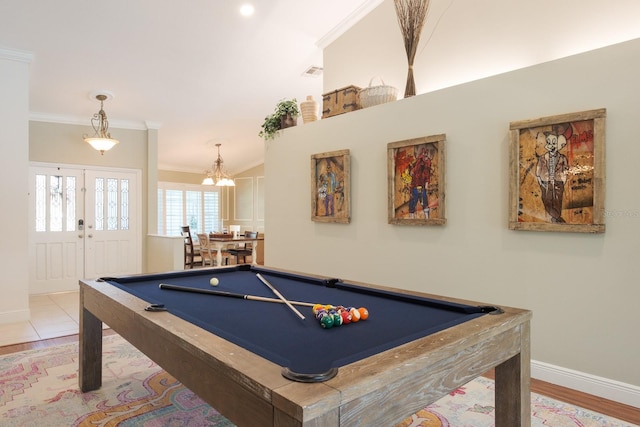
{"points": [[39, 388]]}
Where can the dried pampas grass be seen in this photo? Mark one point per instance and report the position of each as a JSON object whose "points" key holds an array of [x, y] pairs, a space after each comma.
{"points": [[412, 15]]}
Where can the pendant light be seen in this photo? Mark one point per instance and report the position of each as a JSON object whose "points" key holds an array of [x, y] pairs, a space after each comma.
{"points": [[216, 176], [101, 140]]}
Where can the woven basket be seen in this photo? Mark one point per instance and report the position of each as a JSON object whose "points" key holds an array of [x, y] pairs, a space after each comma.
{"points": [[375, 95]]}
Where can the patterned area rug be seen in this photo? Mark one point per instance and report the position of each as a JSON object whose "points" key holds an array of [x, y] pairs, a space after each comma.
{"points": [[39, 387]]}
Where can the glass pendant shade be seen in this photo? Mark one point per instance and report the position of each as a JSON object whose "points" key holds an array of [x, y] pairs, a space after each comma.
{"points": [[225, 182], [101, 144]]}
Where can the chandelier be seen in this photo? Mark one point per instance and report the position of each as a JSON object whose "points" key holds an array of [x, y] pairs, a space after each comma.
{"points": [[101, 140], [216, 176]]}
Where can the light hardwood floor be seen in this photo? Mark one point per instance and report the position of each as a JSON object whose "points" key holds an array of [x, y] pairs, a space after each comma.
{"points": [[54, 321]]}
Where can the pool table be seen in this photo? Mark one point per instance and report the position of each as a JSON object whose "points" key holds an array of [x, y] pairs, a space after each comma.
{"points": [[260, 363]]}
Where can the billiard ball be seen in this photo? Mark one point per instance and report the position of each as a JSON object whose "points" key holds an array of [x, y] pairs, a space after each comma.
{"points": [[326, 321], [214, 281], [337, 319], [346, 317], [355, 314], [364, 313]]}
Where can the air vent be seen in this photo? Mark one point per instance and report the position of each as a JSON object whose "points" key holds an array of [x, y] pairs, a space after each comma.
{"points": [[313, 71]]}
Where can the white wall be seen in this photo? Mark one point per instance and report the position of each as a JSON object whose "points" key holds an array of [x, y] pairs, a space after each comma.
{"points": [[14, 142], [583, 288], [465, 40]]}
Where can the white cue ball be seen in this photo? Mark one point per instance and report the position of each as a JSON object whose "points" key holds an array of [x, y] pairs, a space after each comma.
{"points": [[214, 281]]}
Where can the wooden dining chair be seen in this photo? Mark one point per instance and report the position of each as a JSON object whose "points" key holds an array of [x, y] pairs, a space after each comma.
{"points": [[192, 257], [246, 250], [209, 254]]}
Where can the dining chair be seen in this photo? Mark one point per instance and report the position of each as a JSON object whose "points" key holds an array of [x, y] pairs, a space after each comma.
{"points": [[208, 253], [192, 257], [246, 250]]}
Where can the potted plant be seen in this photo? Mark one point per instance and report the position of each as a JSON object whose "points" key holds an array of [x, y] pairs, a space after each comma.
{"points": [[284, 116]]}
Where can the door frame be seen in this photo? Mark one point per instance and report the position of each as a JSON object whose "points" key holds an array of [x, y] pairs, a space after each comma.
{"points": [[137, 252]]}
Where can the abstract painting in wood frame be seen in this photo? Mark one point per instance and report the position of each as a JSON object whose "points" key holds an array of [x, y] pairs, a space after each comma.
{"points": [[557, 173]]}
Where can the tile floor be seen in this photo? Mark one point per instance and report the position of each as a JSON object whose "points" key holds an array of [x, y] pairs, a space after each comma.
{"points": [[52, 315]]}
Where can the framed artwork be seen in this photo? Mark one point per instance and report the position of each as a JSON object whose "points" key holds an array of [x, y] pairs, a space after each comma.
{"points": [[415, 173], [330, 187], [557, 173]]}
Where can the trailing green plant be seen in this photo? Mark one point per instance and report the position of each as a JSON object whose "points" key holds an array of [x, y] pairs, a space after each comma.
{"points": [[272, 123]]}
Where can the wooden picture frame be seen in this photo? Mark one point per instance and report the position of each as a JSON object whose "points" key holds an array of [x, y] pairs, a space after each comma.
{"points": [[409, 164], [330, 187], [557, 173]]}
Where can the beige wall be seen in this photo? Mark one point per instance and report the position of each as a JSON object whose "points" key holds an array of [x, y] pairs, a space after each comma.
{"points": [[246, 200], [63, 143], [583, 288], [181, 177], [14, 141]]}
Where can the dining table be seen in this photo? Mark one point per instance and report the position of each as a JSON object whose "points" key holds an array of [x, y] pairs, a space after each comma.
{"points": [[221, 241]]}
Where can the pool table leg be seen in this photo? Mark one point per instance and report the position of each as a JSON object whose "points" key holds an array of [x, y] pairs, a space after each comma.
{"points": [[513, 386], [90, 349]]}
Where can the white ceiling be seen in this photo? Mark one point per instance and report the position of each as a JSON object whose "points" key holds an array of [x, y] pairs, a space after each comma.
{"points": [[198, 69]]}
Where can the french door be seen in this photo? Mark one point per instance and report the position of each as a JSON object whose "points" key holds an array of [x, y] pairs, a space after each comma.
{"points": [[84, 223]]}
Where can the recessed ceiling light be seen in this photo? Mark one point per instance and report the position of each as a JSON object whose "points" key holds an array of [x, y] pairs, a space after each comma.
{"points": [[247, 9]]}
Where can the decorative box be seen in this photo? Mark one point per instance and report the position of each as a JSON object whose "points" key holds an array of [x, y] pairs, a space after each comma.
{"points": [[340, 101]]}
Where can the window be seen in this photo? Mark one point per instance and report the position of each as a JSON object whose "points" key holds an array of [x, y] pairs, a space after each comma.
{"points": [[111, 204], [55, 197], [183, 204]]}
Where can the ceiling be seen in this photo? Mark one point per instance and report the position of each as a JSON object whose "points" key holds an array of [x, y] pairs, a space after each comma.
{"points": [[198, 70]]}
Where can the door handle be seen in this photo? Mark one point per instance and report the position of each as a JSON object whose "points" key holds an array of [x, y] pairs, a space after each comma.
{"points": [[90, 236], [79, 236]]}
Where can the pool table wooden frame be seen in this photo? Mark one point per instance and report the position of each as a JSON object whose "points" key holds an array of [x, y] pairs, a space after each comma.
{"points": [[380, 390]]}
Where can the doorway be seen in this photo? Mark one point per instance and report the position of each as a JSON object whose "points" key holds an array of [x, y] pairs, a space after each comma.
{"points": [[83, 223]]}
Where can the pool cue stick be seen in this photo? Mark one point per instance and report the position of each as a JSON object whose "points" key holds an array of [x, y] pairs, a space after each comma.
{"points": [[279, 295], [230, 294]]}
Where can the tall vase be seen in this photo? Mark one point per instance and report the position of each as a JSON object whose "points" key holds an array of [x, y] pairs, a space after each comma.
{"points": [[309, 109]]}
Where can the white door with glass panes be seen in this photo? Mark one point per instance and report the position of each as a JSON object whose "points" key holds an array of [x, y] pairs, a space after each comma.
{"points": [[83, 224]]}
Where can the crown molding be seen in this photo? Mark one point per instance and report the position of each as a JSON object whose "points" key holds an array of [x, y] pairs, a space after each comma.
{"points": [[84, 121], [150, 124], [16, 55], [348, 22]]}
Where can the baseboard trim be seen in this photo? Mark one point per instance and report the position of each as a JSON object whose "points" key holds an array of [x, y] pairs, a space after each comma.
{"points": [[15, 316], [617, 391]]}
